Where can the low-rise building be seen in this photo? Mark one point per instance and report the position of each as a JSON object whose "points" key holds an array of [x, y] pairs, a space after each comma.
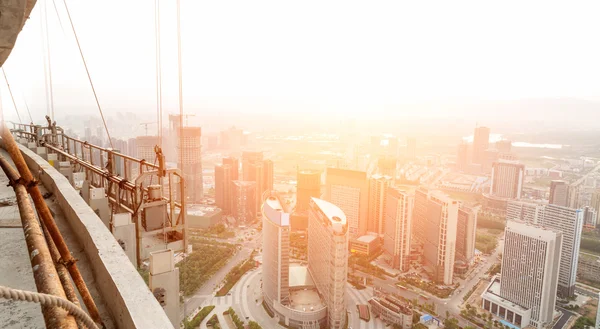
{"points": [[588, 267], [391, 310], [366, 245]]}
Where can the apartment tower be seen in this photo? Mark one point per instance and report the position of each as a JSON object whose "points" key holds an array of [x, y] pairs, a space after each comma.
{"points": [[398, 227], [435, 220], [378, 185]]}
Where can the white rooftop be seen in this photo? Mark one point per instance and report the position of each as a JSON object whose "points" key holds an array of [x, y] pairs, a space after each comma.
{"points": [[335, 215], [367, 238]]}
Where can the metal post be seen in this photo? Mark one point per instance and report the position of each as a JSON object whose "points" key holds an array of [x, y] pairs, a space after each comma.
{"points": [[46, 216], [44, 273]]}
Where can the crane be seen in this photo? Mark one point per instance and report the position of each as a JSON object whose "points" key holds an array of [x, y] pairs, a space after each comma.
{"points": [[145, 124]]}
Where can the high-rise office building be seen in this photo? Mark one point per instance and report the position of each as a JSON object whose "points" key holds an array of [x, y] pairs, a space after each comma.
{"points": [[256, 169], [223, 186], [481, 142], [378, 185], [275, 258], [507, 179], [559, 190], [309, 186], [562, 219], [528, 212], [349, 190], [244, 202], [570, 222], [398, 227], [328, 257], [465, 233], [590, 217], [525, 294], [435, 219], [191, 162], [462, 157], [386, 166]]}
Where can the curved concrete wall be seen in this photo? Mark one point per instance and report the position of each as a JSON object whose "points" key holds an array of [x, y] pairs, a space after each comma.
{"points": [[127, 297]]}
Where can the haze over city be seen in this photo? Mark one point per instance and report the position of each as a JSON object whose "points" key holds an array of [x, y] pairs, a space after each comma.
{"points": [[311, 165]]}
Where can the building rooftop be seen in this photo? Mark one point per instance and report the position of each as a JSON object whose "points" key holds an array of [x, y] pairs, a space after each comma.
{"points": [[366, 238], [335, 215], [274, 211], [300, 277], [493, 293]]}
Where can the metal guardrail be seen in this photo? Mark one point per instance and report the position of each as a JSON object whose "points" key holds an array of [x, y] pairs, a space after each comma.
{"points": [[124, 178]]}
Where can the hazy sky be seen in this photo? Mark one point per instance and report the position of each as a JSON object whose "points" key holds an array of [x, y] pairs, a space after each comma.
{"points": [[319, 52]]}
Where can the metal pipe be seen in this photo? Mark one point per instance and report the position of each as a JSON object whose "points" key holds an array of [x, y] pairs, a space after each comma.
{"points": [[63, 273], [44, 272], [27, 179]]}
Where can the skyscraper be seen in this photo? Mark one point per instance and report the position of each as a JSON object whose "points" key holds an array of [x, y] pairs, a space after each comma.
{"points": [[244, 201], [398, 227], [526, 292], [223, 186], [481, 142], [256, 169], [465, 233], [504, 146], [569, 222], [378, 185], [191, 162], [559, 190], [276, 259], [595, 201], [435, 219], [309, 186], [328, 257], [590, 217], [462, 157], [349, 190], [507, 179]]}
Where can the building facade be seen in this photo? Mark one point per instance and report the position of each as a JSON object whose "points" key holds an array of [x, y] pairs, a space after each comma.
{"points": [[309, 186], [244, 202], [258, 170], [378, 185], [526, 292], [349, 190], [391, 310], [276, 245], [223, 186], [562, 219], [191, 162], [328, 257], [590, 217], [559, 190], [398, 227], [507, 179], [435, 218], [481, 142], [465, 233]]}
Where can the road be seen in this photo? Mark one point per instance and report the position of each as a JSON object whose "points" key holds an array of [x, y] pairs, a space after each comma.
{"points": [[452, 304], [207, 289], [566, 315]]}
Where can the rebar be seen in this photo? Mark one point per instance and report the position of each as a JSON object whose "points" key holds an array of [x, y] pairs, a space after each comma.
{"points": [[46, 217], [44, 272]]}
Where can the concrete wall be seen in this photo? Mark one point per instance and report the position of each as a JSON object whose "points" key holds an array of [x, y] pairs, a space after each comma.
{"points": [[129, 300]]}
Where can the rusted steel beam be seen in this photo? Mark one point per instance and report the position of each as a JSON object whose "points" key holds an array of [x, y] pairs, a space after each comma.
{"points": [[63, 273], [44, 273], [46, 216]]}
